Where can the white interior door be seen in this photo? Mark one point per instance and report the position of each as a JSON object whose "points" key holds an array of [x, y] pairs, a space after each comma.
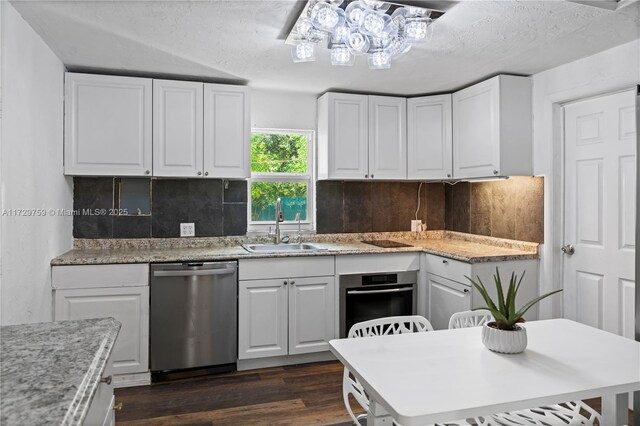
{"points": [[599, 221]]}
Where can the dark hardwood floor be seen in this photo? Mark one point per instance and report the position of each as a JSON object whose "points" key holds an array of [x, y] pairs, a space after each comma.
{"points": [[309, 394]]}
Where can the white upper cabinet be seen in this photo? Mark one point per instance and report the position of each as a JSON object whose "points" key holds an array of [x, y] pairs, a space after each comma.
{"points": [[343, 136], [387, 137], [227, 131], [492, 128], [198, 130], [361, 137], [429, 137], [107, 125], [177, 128]]}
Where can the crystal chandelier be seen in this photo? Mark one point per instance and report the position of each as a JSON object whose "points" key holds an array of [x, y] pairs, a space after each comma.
{"points": [[381, 30]]}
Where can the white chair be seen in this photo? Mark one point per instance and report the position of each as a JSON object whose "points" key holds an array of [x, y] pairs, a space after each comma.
{"points": [[575, 413], [466, 319], [383, 327], [376, 327]]}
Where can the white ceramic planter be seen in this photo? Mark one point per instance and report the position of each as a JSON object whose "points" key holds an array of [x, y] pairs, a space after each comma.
{"points": [[505, 341]]}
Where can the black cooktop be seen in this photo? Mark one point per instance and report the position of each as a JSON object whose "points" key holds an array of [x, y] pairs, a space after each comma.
{"points": [[386, 244]]}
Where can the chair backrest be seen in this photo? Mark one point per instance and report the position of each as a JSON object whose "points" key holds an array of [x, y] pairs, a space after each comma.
{"points": [[390, 325], [466, 319]]}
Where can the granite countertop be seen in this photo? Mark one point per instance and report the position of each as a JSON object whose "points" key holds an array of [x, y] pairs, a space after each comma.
{"points": [[455, 245], [50, 371]]}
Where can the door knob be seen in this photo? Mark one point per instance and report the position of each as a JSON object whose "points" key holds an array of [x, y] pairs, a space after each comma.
{"points": [[568, 249]]}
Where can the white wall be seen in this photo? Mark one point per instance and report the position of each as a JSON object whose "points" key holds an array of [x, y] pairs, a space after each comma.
{"points": [[283, 110], [612, 70], [30, 171]]}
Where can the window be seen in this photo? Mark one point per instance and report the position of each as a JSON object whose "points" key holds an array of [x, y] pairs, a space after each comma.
{"points": [[281, 166]]}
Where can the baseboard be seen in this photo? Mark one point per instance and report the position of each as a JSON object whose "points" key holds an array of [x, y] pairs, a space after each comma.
{"points": [[278, 361], [129, 380]]}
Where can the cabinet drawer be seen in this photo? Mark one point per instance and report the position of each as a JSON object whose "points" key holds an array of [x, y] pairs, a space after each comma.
{"points": [[291, 267], [372, 263], [448, 268], [95, 276]]}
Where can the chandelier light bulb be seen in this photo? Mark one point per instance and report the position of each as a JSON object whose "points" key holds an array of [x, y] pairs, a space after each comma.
{"points": [[372, 23], [354, 13], [304, 27], [304, 52], [379, 59], [340, 34], [356, 16], [328, 18], [415, 29], [358, 42], [341, 55], [325, 16]]}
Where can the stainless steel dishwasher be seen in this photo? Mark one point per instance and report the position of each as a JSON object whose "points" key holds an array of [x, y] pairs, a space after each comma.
{"points": [[194, 316]]}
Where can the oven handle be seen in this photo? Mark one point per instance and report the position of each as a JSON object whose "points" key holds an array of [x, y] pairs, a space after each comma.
{"points": [[390, 290]]}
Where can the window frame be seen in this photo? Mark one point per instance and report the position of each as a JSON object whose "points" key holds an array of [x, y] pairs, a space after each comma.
{"points": [[260, 227]]}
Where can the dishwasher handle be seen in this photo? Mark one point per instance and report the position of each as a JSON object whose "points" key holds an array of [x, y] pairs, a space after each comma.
{"points": [[190, 273]]}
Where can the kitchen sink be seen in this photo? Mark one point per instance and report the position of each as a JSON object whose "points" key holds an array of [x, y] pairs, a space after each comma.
{"points": [[280, 248]]}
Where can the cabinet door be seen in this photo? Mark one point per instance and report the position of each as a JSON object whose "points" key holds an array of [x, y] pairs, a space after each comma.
{"points": [[129, 305], [429, 137], [476, 130], [107, 125], [446, 297], [177, 128], [347, 146], [387, 137], [262, 318], [311, 314], [227, 132]]}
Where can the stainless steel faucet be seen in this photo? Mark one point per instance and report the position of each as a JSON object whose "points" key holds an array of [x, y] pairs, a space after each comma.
{"points": [[279, 218], [299, 236]]}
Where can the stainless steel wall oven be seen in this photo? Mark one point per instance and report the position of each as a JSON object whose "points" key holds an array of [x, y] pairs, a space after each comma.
{"points": [[369, 296]]}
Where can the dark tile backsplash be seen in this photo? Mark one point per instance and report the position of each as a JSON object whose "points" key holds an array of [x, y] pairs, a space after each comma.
{"points": [[173, 201], [377, 206], [512, 208], [92, 194]]}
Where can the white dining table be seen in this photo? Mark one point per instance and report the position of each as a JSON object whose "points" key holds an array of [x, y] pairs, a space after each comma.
{"points": [[438, 376]]}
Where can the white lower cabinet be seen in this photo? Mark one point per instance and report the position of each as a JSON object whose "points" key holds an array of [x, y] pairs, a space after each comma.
{"points": [[445, 298], [102, 405], [311, 314], [262, 318], [126, 300], [449, 291], [285, 316]]}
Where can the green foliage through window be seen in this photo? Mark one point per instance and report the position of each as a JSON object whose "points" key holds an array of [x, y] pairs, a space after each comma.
{"points": [[264, 195], [279, 153]]}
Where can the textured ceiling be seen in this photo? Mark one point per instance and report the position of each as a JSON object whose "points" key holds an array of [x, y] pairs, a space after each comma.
{"points": [[242, 41]]}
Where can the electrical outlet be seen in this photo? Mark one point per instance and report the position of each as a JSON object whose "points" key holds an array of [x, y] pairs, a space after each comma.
{"points": [[187, 230], [416, 225]]}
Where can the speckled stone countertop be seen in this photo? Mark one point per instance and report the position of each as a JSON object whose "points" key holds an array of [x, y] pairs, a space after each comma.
{"points": [[455, 245], [50, 371]]}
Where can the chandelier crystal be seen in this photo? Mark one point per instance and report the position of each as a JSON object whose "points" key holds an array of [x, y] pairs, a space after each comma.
{"points": [[381, 30]]}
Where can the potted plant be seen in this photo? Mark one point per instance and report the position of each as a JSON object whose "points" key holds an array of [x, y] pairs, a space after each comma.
{"points": [[505, 334]]}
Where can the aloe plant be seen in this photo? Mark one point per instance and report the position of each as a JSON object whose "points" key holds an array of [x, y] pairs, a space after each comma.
{"points": [[505, 312]]}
